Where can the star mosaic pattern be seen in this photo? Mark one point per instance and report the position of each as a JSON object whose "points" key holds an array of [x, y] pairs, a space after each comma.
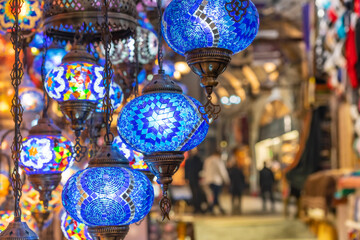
{"points": [[46, 154], [192, 24], [116, 96], [72, 229], [29, 17], [108, 196], [76, 81], [159, 122], [31, 99]]}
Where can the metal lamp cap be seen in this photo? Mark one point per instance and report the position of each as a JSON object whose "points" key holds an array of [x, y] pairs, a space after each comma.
{"points": [[78, 53], [109, 156], [162, 83], [45, 126]]}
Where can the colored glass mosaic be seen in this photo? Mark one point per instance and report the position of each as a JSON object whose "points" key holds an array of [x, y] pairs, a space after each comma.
{"points": [[72, 229], [29, 17], [158, 122], [53, 59], [192, 24], [108, 196], [46, 154], [31, 99], [136, 159], [75, 81], [116, 96]]}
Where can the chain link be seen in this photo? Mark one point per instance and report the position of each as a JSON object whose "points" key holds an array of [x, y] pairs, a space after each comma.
{"points": [[160, 52], [108, 73], [16, 108]]}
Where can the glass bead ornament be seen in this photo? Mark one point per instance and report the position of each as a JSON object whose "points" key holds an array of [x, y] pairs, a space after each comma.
{"points": [[29, 17], [208, 33], [72, 229], [77, 85], [45, 155], [108, 196], [162, 124]]}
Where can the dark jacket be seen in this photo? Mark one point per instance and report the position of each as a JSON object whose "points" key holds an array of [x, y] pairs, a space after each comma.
{"points": [[193, 166], [237, 180], [266, 179]]}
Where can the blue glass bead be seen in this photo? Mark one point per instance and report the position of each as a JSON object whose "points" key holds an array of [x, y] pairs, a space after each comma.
{"points": [[158, 122], [192, 24], [107, 196]]}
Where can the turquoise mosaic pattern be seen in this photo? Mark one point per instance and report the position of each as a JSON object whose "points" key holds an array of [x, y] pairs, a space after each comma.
{"points": [[192, 24], [159, 122]]}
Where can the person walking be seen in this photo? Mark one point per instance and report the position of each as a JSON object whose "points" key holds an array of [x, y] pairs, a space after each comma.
{"points": [[215, 176], [266, 186], [193, 166], [237, 183]]}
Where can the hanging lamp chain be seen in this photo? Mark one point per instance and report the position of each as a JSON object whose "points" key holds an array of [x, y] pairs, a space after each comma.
{"points": [[16, 108], [45, 96], [160, 52], [107, 76], [136, 52]]}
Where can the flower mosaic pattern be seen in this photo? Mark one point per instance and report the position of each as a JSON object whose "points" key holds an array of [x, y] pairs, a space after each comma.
{"points": [[46, 154], [29, 17], [192, 24], [159, 122], [76, 81], [108, 196]]}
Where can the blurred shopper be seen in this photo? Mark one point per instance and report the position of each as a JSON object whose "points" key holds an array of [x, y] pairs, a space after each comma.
{"points": [[215, 176], [237, 183], [266, 186], [193, 166]]}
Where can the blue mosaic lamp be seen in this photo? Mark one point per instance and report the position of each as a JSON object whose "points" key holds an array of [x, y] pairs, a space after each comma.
{"points": [[108, 196], [32, 99], [77, 85], [116, 96], [44, 156], [53, 60], [208, 32], [163, 123]]}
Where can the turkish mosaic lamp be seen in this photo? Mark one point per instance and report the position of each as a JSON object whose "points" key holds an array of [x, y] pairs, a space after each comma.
{"points": [[63, 20], [77, 85], [162, 124], [207, 33], [45, 155], [72, 229], [32, 99], [108, 196], [116, 97], [53, 59], [29, 17]]}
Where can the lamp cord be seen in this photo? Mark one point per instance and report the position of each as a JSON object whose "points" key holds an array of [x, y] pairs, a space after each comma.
{"points": [[107, 76], [16, 108], [160, 52]]}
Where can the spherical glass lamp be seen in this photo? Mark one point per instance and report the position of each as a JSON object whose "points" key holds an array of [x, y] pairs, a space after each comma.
{"points": [[32, 99], [29, 17], [208, 33], [116, 97], [45, 155], [77, 85], [163, 123], [72, 229], [108, 195]]}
